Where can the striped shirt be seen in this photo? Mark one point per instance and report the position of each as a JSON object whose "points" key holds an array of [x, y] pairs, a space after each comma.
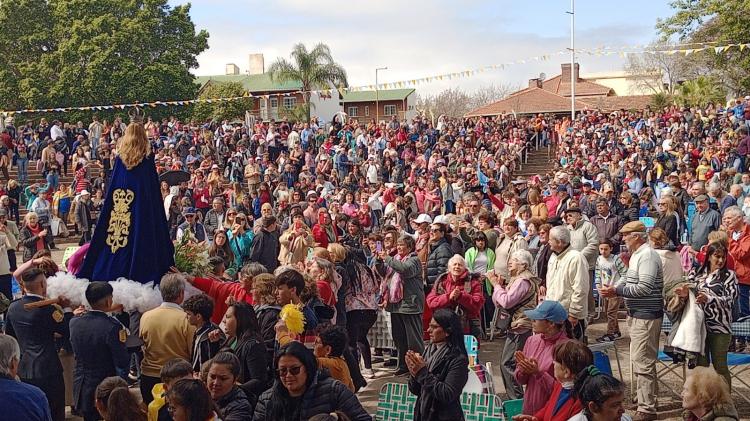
{"points": [[642, 285], [721, 288]]}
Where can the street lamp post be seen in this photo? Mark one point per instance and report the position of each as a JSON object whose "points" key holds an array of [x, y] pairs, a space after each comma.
{"points": [[573, 80], [377, 97]]}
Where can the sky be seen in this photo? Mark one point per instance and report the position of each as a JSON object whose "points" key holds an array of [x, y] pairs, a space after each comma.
{"points": [[418, 38]]}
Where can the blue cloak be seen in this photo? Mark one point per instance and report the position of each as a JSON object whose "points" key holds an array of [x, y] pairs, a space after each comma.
{"points": [[131, 238]]}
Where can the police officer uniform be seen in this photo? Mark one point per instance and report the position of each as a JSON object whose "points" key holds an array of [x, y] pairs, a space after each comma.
{"points": [[99, 346], [40, 365]]}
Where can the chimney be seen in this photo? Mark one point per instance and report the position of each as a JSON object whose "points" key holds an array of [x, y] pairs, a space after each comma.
{"points": [[535, 83], [566, 72], [257, 66], [232, 69]]}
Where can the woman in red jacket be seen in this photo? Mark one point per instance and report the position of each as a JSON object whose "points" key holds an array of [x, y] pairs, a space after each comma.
{"points": [[461, 291], [570, 358], [324, 232]]}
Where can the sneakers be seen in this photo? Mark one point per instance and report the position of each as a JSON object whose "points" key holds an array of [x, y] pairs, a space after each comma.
{"points": [[609, 337], [368, 373]]}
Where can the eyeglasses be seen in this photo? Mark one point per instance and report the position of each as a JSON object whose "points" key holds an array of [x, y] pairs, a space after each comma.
{"points": [[436, 230], [283, 371]]}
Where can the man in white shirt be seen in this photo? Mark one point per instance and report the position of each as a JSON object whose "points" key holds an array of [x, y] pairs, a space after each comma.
{"points": [[56, 131]]}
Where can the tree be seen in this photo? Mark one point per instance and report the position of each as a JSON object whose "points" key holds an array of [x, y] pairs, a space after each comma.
{"points": [[699, 92], [660, 100], [222, 110], [455, 102], [315, 69], [718, 22], [63, 53], [652, 71]]}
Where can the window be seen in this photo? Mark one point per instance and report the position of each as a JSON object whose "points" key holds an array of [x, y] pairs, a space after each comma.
{"points": [[274, 103], [367, 110], [263, 104], [353, 111], [389, 110], [290, 102]]}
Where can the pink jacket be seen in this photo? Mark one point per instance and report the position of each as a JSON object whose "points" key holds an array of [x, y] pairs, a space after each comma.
{"points": [[539, 386]]}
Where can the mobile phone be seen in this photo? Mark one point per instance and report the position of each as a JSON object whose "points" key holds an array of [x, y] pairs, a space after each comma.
{"points": [[378, 246]]}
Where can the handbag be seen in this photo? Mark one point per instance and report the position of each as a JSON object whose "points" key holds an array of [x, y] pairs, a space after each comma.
{"points": [[505, 316], [691, 332]]}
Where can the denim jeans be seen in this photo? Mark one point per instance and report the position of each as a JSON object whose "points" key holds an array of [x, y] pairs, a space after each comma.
{"points": [[744, 300], [23, 168]]}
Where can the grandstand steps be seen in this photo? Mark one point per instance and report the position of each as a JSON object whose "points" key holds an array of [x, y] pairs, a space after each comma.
{"points": [[35, 176], [537, 163]]}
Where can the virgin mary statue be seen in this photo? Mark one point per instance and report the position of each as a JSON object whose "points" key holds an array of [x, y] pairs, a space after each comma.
{"points": [[131, 238]]}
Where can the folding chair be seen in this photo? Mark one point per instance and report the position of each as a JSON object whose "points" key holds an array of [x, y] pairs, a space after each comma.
{"points": [[739, 364], [472, 349]]}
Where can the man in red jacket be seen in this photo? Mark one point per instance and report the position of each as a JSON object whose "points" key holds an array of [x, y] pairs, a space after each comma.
{"points": [[221, 291], [733, 222]]}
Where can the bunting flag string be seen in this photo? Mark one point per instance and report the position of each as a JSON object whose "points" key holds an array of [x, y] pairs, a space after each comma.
{"points": [[691, 48]]}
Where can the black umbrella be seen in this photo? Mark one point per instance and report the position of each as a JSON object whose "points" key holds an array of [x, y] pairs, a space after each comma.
{"points": [[174, 178]]}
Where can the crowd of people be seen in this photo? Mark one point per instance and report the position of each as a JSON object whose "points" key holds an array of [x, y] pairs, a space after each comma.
{"points": [[425, 224]]}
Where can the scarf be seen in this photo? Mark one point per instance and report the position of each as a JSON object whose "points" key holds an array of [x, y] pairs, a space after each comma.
{"points": [[434, 354], [330, 233]]}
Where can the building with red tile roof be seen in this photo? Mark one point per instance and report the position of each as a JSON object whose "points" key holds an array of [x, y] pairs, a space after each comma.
{"points": [[553, 96]]}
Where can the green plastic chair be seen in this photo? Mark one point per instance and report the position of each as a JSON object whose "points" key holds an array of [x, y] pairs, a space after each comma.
{"points": [[512, 408]]}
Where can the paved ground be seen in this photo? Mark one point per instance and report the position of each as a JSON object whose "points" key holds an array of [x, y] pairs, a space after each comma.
{"points": [[669, 401]]}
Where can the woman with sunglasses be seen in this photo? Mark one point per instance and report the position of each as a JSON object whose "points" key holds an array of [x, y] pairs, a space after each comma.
{"points": [[240, 237], [438, 377], [302, 391]]}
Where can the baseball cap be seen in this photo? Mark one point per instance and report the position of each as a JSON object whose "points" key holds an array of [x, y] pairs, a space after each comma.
{"points": [[423, 219], [548, 310], [188, 211]]}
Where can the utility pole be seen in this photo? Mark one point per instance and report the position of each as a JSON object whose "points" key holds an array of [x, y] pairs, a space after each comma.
{"points": [[573, 80], [377, 96]]}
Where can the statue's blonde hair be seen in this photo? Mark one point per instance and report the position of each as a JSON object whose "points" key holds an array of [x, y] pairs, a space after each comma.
{"points": [[133, 146]]}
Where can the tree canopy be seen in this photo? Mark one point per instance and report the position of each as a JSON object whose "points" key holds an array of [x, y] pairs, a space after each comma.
{"points": [[58, 53], [222, 110], [714, 21]]}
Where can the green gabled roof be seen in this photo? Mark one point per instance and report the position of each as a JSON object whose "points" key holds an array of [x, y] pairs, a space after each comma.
{"points": [[252, 83], [384, 95]]}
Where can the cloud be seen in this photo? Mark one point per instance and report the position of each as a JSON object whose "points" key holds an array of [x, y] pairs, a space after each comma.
{"points": [[412, 38]]}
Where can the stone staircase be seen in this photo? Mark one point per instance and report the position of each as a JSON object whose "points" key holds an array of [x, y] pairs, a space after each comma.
{"points": [[537, 163]]}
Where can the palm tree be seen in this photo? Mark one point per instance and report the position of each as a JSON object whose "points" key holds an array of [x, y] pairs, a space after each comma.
{"points": [[700, 91], [315, 69]]}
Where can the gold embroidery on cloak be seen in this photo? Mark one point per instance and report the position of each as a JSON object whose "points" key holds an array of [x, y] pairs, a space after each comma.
{"points": [[119, 220]]}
